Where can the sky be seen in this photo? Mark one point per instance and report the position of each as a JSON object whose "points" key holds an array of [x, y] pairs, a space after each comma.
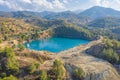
{"points": [[55, 5]]}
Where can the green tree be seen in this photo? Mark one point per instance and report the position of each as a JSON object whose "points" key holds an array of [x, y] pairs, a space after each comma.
{"points": [[32, 67], [108, 43], [11, 63], [43, 75], [79, 74], [110, 55], [116, 44], [58, 70], [8, 51]]}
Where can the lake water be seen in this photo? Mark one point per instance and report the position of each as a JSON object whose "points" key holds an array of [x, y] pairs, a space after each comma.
{"points": [[54, 44]]}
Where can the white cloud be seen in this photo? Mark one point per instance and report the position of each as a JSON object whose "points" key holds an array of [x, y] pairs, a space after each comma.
{"points": [[101, 2], [58, 4], [42, 3], [33, 5], [108, 3], [1, 2], [27, 1], [65, 1]]}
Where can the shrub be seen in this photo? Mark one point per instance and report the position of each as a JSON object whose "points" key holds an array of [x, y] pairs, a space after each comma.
{"points": [[41, 60], [11, 77], [0, 40], [110, 55], [58, 70], [11, 62], [9, 52], [22, 47], [43, 75], [116, 44], [3, 74], [79, 74], [12, 65], [32, 67], [108, 43]]}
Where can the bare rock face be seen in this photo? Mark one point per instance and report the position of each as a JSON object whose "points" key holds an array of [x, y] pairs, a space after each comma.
{"points": [[95, 69]]}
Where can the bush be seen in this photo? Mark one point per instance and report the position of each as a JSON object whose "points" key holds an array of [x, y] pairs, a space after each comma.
{"points": [[8, 52], [0, 40], [11, 77], [79, 74], [116, 44], [3, 74], [22, 47], [11, 62], [41, 60], [110, 55], [108, 43], [43, 75], [12, 65], [58, 70], [32, 67]]}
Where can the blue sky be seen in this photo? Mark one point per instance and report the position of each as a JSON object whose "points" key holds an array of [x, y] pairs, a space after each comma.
{"points": [[55, 5]]}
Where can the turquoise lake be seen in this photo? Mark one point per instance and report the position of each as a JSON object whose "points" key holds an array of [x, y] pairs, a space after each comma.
{"points": [[54, 44]]}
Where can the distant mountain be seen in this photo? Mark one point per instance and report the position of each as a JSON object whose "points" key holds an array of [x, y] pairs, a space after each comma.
{"points": [[99, 12], [25, 14], [107, 22], [45, 13], [78, 11], [65, 14], [107, 26], [69, 16], [5, 14]]}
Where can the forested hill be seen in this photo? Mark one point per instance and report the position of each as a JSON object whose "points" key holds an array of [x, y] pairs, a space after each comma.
{"points": [[72, 31], [11, 29], [107, 22]]}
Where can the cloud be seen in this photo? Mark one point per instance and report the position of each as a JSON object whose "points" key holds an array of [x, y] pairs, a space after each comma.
{"points": [[33, 5], [65, 1], [108, 3], [27, 1], [56, 5]]}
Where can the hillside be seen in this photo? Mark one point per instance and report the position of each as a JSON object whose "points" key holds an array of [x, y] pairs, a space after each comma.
{"points": [[100, 12], [108, 50], [72, 31], [67, 15], [108, 26], [11, 29], [107, 22]]}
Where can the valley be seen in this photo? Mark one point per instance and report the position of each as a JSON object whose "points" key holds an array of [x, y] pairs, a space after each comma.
{"points": [[98, 59]]}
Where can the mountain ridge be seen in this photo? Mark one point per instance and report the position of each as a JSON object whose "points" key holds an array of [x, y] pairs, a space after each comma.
{"points": [[99, 12]]}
